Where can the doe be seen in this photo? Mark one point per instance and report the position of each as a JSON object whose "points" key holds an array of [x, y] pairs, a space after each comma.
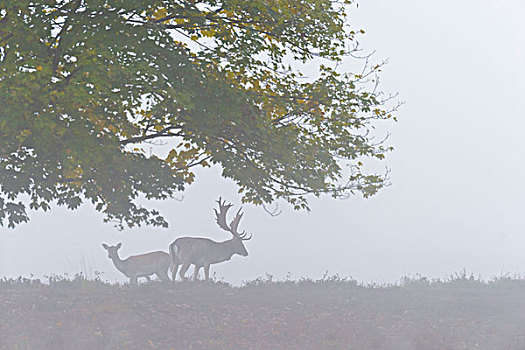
{"points": [[143, 265]]}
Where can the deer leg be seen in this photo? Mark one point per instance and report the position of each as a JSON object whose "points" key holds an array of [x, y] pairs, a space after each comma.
{"points": [[174, 269], [196, 272], [133, 280], [164, 273], [207, 272], [163, 277], [183, 270], [174, 263]]}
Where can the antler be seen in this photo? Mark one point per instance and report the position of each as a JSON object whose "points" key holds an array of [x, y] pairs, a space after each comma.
{"points": [[221, 215], [221, 220]]}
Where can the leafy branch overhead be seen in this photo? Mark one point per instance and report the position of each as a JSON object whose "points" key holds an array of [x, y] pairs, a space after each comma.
{"points": [[85, 85]]}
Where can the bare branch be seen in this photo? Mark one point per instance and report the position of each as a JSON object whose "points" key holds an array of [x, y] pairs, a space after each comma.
{"points": [[275, 212], [179, 199]]}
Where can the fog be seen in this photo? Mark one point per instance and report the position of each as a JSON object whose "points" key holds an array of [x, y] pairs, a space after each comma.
{"points": [[457, 193]]}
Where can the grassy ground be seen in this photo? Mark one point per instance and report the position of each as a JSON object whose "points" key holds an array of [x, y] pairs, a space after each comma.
{"points": [[459, 313]]}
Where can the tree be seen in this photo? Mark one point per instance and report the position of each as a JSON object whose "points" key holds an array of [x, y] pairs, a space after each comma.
{"points": [[85, 85]]}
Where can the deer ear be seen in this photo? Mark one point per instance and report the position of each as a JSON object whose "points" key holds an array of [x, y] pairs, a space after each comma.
{"points": [[119, 245], [105, 246]]}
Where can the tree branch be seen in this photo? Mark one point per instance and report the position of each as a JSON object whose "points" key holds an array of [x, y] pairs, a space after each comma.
{"points": [[163, 133]]}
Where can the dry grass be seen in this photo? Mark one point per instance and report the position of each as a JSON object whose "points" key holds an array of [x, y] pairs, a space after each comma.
{"points": [[459, 312]]}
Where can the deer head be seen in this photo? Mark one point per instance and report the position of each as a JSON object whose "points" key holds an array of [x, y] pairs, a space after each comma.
{"points": [[112, 250], [238, 237]]}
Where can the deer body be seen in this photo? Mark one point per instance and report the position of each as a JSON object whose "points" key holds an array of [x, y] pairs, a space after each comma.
{"points": [[143, 265], [202, 252]]}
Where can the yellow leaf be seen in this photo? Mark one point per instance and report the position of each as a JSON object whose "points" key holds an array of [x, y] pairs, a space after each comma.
{"points": [[160, 13]]}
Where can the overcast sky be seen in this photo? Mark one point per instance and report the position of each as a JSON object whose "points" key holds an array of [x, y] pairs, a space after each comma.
{"points": [[457, 195]]}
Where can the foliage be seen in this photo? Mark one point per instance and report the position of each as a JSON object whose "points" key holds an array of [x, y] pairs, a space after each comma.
{"points": [[87, 86]]}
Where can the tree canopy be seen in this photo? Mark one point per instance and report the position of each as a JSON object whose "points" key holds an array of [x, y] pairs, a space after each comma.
{"points": [[87, 86]]}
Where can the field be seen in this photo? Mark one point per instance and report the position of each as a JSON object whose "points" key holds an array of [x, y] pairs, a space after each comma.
{"points": [[459, 313]]}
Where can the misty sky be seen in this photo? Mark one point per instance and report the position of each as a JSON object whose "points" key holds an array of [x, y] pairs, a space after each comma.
{"points": [[457, 195]]}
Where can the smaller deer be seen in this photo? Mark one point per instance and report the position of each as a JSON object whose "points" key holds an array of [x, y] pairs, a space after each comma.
{"points": [[143, 265]]}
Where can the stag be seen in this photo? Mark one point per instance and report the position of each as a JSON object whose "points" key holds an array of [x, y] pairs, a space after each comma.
{"points": [[202, 252], [144, 265]]}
